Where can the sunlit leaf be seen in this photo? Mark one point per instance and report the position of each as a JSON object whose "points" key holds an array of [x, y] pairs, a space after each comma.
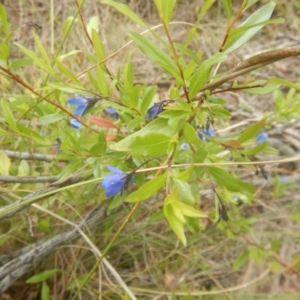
{"points": [[148, 189]]}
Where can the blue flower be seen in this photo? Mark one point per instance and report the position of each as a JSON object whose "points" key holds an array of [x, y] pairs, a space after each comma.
{"points": [[262, 137], [153, 111], [83, 104], [116, 182], [205, 132], [112, 113], [74, 123], [184, 146]]}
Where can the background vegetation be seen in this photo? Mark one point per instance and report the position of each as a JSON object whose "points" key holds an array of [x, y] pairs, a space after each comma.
{"points": [[234, 233]]}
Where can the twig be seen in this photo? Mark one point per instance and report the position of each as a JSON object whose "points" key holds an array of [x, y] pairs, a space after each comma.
{"points": [[11, 209], [28, 179], [28, 156]]}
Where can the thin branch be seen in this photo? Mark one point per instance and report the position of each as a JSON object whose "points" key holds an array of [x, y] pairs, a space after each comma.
{"points": [[11, 209], [17, 267], [28, 179], [29, 156], [253, 63]]}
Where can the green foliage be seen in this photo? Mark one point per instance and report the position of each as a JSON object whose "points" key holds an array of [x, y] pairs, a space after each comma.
{"points": [[172, 144]]}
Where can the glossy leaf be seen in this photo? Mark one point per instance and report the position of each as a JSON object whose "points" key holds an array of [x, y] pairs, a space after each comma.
{"points": [[148, 189], [230, 182]]}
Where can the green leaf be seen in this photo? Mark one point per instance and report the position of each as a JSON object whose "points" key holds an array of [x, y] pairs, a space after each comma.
{"points": [[186, 174], [241, 260], [3, 21], [45, 292], [151, 144], [188, 210], [52, 118], [285, 82], [42, 49], [148, 189], [175, 224], [26, 131], [98, 45], [5, 164], [93, 25], [147, 97], [42, 276], [101, 80], [8, 116], [153, 52], [190, 133], [4, 51], [165, 9], [261, 15], [44, 66], [157, 125], [228, 7], [251, 131], [230, 182], [125, 10], [68, 73], [200, 77]]}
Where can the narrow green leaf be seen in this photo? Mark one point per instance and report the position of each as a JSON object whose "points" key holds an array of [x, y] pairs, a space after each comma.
{"points": [[153, 52], [200, 77], [148, 189], [52, 118], [175, 224], [251, 131], [93, 25], [190, 133], [45, 292], [8, 116], [189, 211], [285, 82], [165, 9], [68, 73], [42, 49], [151, 144], [25, 131], [103, 87], [44, 66], [228, 7], [125, 10], [147, 97], [4, 51], [230, 182], [261, 15], [98, 45], [5, 164], [3, 20], [42, 276]]}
